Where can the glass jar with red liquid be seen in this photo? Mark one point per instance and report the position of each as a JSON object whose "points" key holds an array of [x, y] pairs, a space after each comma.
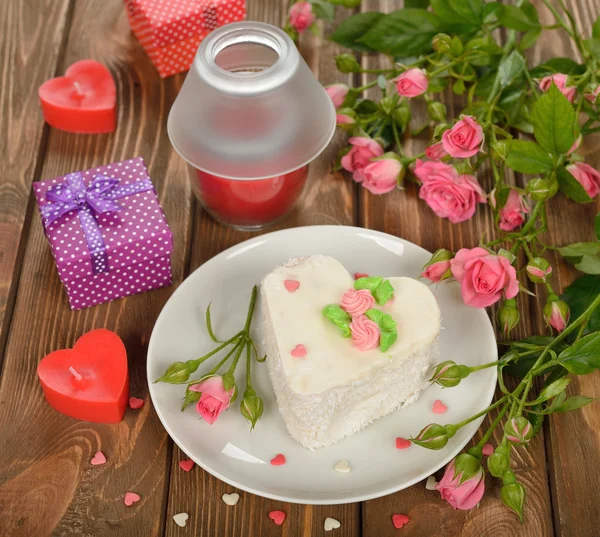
{"points": [[249, 119]]}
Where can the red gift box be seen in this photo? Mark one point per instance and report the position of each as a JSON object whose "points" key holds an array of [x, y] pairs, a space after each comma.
{"points": [[171, 30]]}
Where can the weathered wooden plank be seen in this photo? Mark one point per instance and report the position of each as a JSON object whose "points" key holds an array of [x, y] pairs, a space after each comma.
{"points": [[328, 199], [573, 438], [47, 485], [29, 51], [401, 213]]}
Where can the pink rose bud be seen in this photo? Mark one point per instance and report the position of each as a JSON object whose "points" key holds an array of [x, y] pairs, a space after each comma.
{"points": [[556, 313], [463, 483], [436, 151], [214, 398], [438, 267], [592, 97], [512, 215], [465, 139], [345, 118], [362, 151], [588, 177], [301, 16], [251, 407], [484, 277], [448, 194], [383, 174], [337, 93], [447, 374], [508, 316], [412, 83], [576, 145], [518, 430], [433, 436], [538, 270], [561, 83]]}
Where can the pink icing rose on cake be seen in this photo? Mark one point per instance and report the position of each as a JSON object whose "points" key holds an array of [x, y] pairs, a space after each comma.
{"points": [[214, 398], [365, 333], [356, 303]]}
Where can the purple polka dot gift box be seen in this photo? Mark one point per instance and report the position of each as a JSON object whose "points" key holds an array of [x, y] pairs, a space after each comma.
{"points": [[107, 232]]}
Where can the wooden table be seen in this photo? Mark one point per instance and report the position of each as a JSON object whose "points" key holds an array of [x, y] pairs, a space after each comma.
{"points": [[47, 486]]}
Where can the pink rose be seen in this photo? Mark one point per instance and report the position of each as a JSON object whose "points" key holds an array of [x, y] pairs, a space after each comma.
{"points": [[412, 83], [363, 150], [343, 119], [512, 215], [593, 96], [465, 139], [301, 16], [436, 151], [436, 271], [588, 177], [214, 398], [448, 194], [379, 176], [556, 314], [461, 493], [561, 83], [337, 93], [365, 333], [357, 302], [483, 277], [576, 145]]}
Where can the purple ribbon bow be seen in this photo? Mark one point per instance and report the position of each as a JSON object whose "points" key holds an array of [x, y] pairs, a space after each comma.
{"points": [[98, 198]]}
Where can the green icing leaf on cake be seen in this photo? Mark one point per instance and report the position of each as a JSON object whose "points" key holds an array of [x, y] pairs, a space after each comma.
{"points": [[381, 289], [370, 283], [339, 317], [387, 327]]}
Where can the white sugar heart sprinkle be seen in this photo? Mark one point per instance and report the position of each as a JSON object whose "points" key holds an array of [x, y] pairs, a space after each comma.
{"points": [[181, 519], [231, 499], [431, 483], [342, 467], [331, 524], [98, 458]]}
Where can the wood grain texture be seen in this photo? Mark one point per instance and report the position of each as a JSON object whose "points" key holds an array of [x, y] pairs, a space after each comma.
{"points": [[29, 51], [401, 213], [328, 199], [573, 438], [47, 485]]}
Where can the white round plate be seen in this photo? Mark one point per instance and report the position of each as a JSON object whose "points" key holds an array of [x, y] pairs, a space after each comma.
{"points": [[228, 449]]}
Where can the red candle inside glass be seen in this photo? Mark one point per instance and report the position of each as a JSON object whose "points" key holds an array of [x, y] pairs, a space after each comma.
{"points": [[249, 204]]}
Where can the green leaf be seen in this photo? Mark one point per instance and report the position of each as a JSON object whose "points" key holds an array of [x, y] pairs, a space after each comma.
{"points": [[516, 19], [593, 47], [554, 122], [554, 389], [501, 197], [579, 295], [387, 339], [572, 403], [583, 356], [371, 283], [209, 328], [384, 292], [529, 39], [323, 10], [596, 29], [510, 68], [353, 28], [528, 157], [584, 255], [460, 16], [420, 4], [571, 187], [404, 32], [597, 226], [557, 65], [338, 317]]}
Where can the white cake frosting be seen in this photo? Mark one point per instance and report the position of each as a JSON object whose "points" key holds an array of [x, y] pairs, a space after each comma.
{"points": [[336, 389]]}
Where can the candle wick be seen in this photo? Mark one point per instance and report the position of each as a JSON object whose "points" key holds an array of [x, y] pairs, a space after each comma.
{"points": [[75, 374], [78, 90]]}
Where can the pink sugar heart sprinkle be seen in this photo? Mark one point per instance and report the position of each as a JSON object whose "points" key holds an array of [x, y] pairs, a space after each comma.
{"points": [[278, 460], [299, 351], [291, 285], [399, 521], [277, 516], [487, 450], [131, 498], [402, 443], [359, 275], [98, 459], [439, 407], [134, 402], [186, 465]]}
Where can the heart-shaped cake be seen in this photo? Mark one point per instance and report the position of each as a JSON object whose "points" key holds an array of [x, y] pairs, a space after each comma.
{"points": [[367, 346]]}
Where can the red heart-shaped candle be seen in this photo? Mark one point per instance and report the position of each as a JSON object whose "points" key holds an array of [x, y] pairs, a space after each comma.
{"points": [[84, 100], [90, 381]]}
